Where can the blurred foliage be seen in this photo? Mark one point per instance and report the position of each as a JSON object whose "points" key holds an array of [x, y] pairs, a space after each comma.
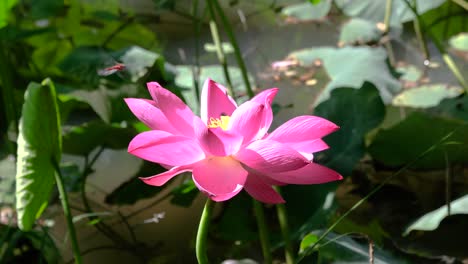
{"points": [[388, 107]]}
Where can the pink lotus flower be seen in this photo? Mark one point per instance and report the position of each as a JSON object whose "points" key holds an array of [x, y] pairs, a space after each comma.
{"points": [[228, 149]]}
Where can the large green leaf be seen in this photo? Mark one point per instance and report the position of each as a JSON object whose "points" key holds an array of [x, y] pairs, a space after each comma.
{"points": [[81, 140], [359, 31], [431, 220], [308, 11], [351, 67], [405, 141], [445, 21], [453, 108], [39, 143], [374, 10], [5, 7], [459, 45], [426, 96], [459, 42], [356, 111], [336, 248]]}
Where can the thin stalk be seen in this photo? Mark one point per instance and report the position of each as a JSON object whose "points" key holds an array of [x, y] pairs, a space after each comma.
{"points": [[445, 56], [67, 212], [309, 250], [263, 231], [196, 67], [461, 3], [220, 54], [388, 15], [283, 220], [232, 39], [219, 47], [448, 183], [202, 234], [387, 20], [419, 34]]}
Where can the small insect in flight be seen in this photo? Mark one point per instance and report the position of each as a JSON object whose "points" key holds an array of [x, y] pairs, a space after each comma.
{"points": [[111, 70]]}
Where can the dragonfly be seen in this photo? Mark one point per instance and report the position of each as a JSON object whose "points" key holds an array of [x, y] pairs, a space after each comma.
{"points": [[111, 70]]}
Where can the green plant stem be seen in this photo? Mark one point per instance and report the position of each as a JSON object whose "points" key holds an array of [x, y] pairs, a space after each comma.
{"points": [[196, 67], [387, 20], [220, 54], [310, 249], [202, 234], [219, 47], [232, 39], [283, 220], [445, 56], [461, 3], [66, 211], [388, 15], [419, 34], [263, 231]]}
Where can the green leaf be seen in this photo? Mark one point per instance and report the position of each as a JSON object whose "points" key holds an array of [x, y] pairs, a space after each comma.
{"points": [[7, 180], [409, 73], [426, 96], [445, 21], [39, 142], [453, 108], [362, 64], [184, 79], [314, 2], [138, 61], [71, 176], [356, 111], [308, 11], [459, 42], [359, 31], [337, 248], [236, 223], [81, 140], [134, 189], [374, 10], [45, 8], [405, 141], [84, 62], [431, 220], [308, 241], [5, 8]]}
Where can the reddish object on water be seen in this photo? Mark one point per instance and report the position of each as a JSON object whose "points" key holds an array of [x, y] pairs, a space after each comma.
{"points": [[110, 70]]}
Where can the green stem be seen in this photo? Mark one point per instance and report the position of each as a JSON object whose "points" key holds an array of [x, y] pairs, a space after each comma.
{"points": [[419, 34], [310, 249], [263, 231], [67, 212], [220, 54], [387, 20], [232, 39], [196, 67], [388, 15], [283, 220], [202, 234]]}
